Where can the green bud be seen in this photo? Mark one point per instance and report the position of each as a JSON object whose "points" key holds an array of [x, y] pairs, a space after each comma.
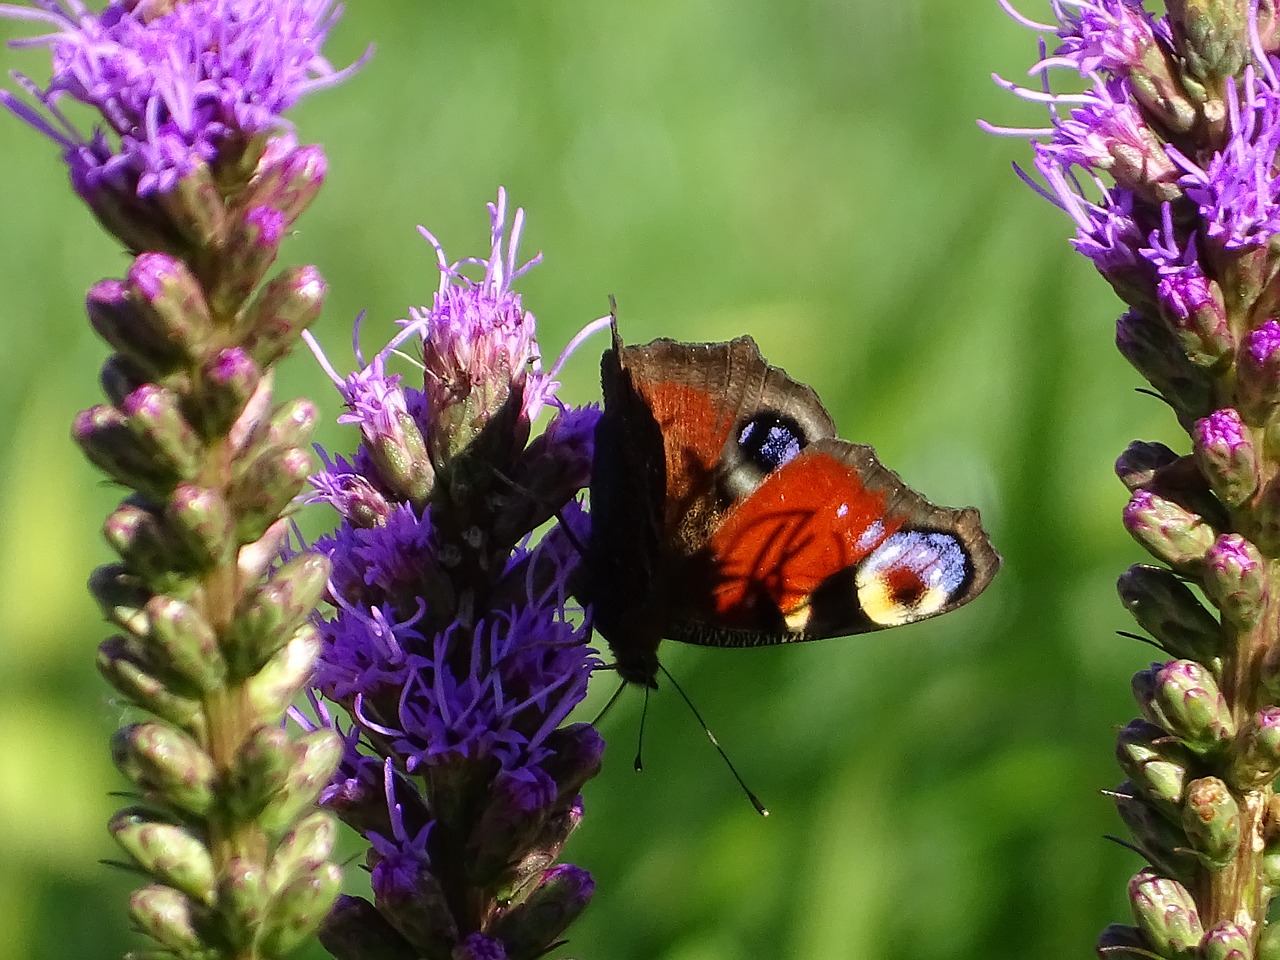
{"points": [[252, 244], [287, 179], [146, 543], [172, 854], [356, 930], [290, 425], [1212, 821], [187, 642], [1182, 697], [261, 767], [105, 439], [121, 598], [1163, 842], [1156, 764], [1226, 941], [283, 308], [1257, 759], [265, 487], [257, 557], [1166, 914], [1169, 532], [1269, 941], [1235, 579], [1213, 36], [269, 615], [299, 908], [1164, 607], [316, 757], [418, 908], [202, 522], [166, 765], [1160, 87], [284, 676], [154, 416], [195, 206], [1149, 345], [1225, 452], [242, 901], [304, 849], [1137, 466], [124, 669], [228, 380], [166, 916]]}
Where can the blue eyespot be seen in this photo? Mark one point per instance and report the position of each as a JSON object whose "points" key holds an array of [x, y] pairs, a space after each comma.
{"points": [[768, 440]]}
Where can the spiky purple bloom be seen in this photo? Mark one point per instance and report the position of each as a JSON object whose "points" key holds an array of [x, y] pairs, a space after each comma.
{"points": [[452, 645], [172, 82]]}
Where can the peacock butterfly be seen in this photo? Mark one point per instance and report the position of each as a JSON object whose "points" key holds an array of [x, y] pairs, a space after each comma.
{"points": [[725, 512]]}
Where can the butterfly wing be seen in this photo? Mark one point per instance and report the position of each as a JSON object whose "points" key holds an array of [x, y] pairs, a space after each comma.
{"points": [[830, 543]]}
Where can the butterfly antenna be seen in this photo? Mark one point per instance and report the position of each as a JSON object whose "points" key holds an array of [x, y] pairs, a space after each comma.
{"points": [[755, 801], [608, 706], [644, 713]]}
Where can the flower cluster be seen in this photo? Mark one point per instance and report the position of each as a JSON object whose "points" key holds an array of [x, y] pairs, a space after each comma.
{"points": [[192, 167], [450, 647], [1167, 164]]}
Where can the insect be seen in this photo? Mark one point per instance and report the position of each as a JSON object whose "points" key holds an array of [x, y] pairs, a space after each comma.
{"points": [[725, 512]]}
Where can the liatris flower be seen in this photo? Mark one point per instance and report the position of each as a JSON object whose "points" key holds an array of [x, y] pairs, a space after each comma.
{"points": [[450, 647], [193, 168], [1167, 164]]}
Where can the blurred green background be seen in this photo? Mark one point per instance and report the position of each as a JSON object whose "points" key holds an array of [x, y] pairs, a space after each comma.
{"points": [[808, 172]]}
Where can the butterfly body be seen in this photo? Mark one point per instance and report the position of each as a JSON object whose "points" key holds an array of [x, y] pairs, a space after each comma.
{"points": [[725, 512]]}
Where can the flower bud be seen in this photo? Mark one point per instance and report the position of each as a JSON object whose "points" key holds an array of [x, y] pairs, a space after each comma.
{"points": [[1168, 531], [1258, 372], [262, 489], [1257, 759], [316, 757], [269, 615], [195, 207], [172, 324], [1225, 452], [172, 854], [355, 930], [1164, 607], [228, 380], [1226, 941], [201, 520], [154, 416], [299, 908], [241, 900], [260, 769], [531, 926], [1235, 579], [1182, 697], [304, 849], [187, 643], [166, 765], [1155, 763], [1137, 466], [283, 308], [578, 752], [1149, 346], [1162, 841], [257, 557], [516, 810], [166, 916], [1166, 914], [287, 178], [124, 669], [1212, 821], [1212, 36], [1193, 307], [104, 437], [1157, 83], [121, 597], [412, 900], [283, 677], [253, 242], [146, 544]]}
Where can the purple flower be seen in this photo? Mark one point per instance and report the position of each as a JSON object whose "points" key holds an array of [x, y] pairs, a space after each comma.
{"points": [[173, 83], [451, 644]]}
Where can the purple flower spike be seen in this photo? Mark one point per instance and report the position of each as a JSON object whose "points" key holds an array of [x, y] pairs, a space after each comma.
{"points": [[170, 88], [450, 645]]}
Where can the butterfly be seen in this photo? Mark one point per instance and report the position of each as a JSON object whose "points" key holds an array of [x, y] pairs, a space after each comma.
{"points": [[725, 512]]}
